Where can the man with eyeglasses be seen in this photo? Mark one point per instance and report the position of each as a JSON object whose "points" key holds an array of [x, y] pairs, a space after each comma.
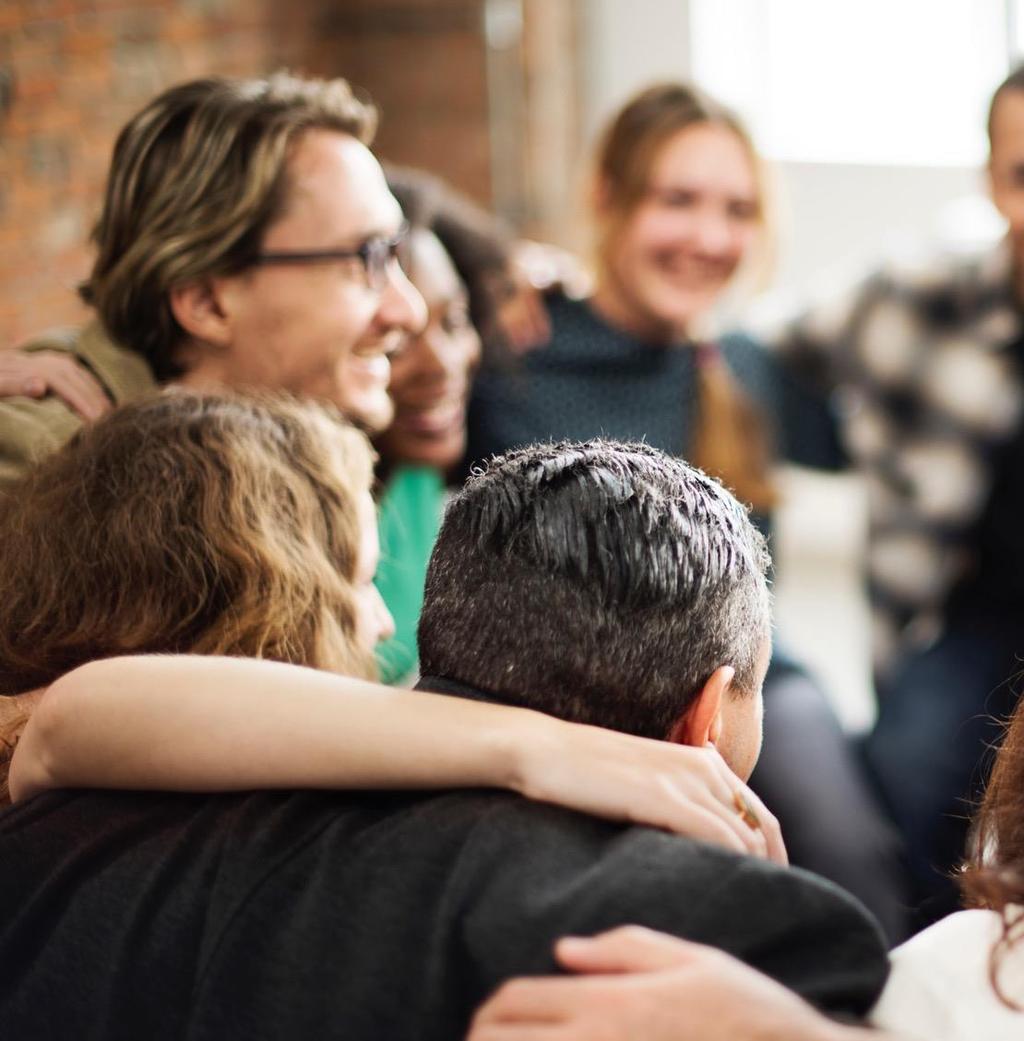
{"points": [[247, 240]]}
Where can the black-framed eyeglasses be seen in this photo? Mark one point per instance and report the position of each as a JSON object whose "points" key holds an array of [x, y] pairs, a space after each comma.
{"points": [[375, 254]]}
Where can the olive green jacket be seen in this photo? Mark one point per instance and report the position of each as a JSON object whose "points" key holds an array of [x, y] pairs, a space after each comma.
{"points": [[31, 428]]}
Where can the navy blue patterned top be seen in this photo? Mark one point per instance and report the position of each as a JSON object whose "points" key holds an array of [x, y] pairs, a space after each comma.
{"points": [[594, 380]]}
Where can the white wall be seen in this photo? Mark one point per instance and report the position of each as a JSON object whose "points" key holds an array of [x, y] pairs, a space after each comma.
{"points": [[838, 220], [629, 44]]}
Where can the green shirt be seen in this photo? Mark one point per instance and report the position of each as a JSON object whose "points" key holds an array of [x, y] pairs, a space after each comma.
{"points": [[409, 518]]}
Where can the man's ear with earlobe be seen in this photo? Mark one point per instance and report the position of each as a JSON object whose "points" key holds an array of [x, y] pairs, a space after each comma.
{"points": [[701, 723], [198, 308]]}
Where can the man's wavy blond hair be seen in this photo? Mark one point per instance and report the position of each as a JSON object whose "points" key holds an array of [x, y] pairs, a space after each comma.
{"points": [[186, 523], [195, 179]]}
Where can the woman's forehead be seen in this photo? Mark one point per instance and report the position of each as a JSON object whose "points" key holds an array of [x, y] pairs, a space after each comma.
{"points": [[710, 154]]}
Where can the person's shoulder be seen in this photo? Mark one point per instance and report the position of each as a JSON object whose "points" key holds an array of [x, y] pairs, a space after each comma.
{"points": [[124, 373], [929, 282], [941, 988], [749, 359], [618, 856], [566, 308], [546, 872], [31, 429], [964, 927], [572, 320], [63, 339], [934, 269], [951, 944], [742, 343]]}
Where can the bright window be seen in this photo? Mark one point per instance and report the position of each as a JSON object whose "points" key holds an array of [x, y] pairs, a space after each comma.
{"points": [[859, 81]]}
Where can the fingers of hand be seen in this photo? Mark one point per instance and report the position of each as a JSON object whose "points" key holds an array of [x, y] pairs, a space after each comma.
{"points": [[770, 832], [592, 1008], [690, 791], [12, 386], [535, 1000], [630, 948], [770, 828], [20, 376], [713, 821], [526, 1032], [36, 372], [707, 802], [77, 387]]}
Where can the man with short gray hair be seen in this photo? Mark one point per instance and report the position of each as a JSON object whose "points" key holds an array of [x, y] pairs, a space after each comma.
{"points": [[613, 585], [606, 584], [570, 578]]}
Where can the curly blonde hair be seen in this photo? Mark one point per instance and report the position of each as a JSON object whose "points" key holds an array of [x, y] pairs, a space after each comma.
{"points": [[187, 523]]}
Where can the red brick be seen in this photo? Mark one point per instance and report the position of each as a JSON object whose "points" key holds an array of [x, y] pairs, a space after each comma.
{"points": [[84, 66]]}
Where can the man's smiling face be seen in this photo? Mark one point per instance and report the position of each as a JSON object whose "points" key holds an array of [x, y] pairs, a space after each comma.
{"points": [[324, 330]]}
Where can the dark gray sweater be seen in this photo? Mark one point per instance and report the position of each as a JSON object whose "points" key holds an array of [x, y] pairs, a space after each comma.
{"points": [[364, 916]]}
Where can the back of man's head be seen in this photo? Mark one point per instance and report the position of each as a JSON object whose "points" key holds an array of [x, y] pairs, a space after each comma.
{"points": [[600, 582], [195, 179]]}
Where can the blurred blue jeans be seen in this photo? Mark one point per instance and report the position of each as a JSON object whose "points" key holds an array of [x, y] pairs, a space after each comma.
{"points": [[939, 723]]}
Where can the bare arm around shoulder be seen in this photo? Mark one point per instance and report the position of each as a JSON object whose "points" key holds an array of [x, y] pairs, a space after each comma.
{"points": [[193, 723], [635, 983]]}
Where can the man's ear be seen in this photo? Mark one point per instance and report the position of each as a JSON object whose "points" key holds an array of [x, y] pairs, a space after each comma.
{"points": [[199, 310], [701, 723]]}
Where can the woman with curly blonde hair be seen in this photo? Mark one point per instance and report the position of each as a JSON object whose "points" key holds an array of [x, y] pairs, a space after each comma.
{"points": [[184, 536]]}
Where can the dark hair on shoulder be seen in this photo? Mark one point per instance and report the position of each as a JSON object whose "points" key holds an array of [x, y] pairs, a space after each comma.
{"points": [[477, 242], [1014, 81], [599, 582], [994, 874]]}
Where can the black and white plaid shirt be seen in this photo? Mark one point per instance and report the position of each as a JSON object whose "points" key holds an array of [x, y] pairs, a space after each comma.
{"points": [[924, 368]]}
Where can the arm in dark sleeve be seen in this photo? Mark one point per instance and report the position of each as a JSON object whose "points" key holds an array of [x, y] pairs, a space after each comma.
{"points": [[796, 928], [819, 355], [803, 420]]}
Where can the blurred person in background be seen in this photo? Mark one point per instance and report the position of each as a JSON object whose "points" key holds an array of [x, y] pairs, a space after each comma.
{"points": [[679, 210], [927, 364]]}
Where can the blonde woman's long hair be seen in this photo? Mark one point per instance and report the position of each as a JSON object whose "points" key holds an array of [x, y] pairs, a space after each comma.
{"points": [[186, 523], [731, 438]]}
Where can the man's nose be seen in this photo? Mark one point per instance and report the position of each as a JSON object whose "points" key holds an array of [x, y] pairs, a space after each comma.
{"points": [[401, 306]]}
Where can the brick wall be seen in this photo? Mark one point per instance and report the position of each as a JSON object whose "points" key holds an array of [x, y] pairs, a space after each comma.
{"points": [[424, 63], [76, 71], [72, 72]]}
